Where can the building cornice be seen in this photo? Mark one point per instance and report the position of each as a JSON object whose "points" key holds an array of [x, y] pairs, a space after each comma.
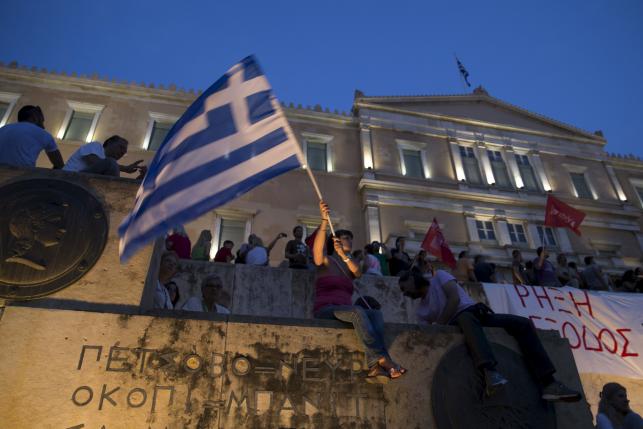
{"points": [[480, 123]]}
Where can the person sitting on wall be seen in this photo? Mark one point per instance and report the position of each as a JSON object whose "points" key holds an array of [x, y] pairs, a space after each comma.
{"points": [[371, 262], [383, 255], [258, 253], [484, 271], [201, 250], [296, 251], [167, 270], [179, 241], [593, 275], [464, 268], [544, 269], [333, 299], [22, 142], [400, 260], [102, 159], [212, 297], [614, 410], [444, 301], [224, 254]]}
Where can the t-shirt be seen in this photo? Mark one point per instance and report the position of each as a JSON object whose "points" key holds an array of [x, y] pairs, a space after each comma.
{"points": [[299, 248], [257, 256], [400, 261], [594, 278], [546, 275], [484, 272], [76, 161], [383, 263], [222, 254], [21, 143], [372, 265], [162, 297], [181, 245], [433, 304]]}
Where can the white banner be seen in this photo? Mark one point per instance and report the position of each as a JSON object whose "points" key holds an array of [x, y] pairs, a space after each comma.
{"points": [[604, 329]]}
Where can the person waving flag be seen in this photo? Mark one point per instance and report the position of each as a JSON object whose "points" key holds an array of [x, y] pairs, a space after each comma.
{"points": [[231, 139]]}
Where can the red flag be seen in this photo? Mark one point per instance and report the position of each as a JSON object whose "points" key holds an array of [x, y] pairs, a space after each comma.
{"points": [[435, 244], [310, 240], [559, 214]]}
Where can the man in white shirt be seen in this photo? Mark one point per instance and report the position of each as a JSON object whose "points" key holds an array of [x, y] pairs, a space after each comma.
{"points": [[22, 142], [258, 254], [444, 301], [212, 297], [101, 159]]}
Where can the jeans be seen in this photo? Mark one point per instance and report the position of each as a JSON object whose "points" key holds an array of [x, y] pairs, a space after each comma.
{"points": [[368, 324], [473, 319]]}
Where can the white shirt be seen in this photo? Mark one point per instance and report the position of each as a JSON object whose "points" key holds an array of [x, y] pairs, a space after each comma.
{"points": [[257, 256], [196, 304], [21, 143], [162, 297], [76, 161]]}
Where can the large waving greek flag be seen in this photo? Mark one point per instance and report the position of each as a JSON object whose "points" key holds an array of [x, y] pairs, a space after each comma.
{"points": [[231, 139]]}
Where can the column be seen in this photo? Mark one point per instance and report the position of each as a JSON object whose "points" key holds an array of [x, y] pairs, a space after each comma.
{"points": [[367, 147], [617, 185], [373, 229], [537, 165], [457, 160], [504, 239], [512, 167], [483, 159], [564, 244]]}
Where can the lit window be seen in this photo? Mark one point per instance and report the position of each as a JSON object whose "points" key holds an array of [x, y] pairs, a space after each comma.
{"points": [[499, 169], [7, 102], [549, 239], [580, 184], [317, 148], [526, 172], [517, 233], [412, 160], [470, 164], [233, 230], [485, 230], [80, 122], [639, 191], [159, 131], [79, 125], [4, 108]]}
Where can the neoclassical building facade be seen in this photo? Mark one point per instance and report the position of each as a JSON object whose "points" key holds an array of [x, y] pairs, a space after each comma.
{"points": [[479, 165]]}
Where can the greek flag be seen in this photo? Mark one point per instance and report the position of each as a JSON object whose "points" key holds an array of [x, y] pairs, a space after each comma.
{"points": [[463, 72], [231, 139]]}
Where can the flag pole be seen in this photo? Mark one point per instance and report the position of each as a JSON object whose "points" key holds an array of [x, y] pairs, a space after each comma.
{"points": [[300, 155]]}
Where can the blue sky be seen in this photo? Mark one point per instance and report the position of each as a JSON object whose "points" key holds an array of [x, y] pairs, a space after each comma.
{"points": [[580, 62]]}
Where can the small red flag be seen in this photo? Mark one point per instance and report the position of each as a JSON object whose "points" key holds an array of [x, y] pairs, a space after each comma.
{"points": [[559, 214], [310, 240], [435, 243]]}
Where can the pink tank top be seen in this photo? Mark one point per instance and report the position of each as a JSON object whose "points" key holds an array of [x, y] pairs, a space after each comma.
{"points": [[333, 290]]}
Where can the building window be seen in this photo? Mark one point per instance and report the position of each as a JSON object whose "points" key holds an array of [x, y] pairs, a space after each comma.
{"points": [[499, 169], [80, 122], [526, 173], [470, 164], [639, 192], [485, 230], [549, 239], [412, 160], [7, 101], [581, 186], [517, 233], [233, 230], [317, 151], [159, 131]]}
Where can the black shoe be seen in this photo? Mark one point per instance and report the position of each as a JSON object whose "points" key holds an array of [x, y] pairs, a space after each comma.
{"points": [[494, 381], [557, 391]]}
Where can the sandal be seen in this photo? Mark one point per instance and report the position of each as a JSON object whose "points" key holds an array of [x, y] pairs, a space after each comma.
{"points": [[377, 375], [392, 369]]}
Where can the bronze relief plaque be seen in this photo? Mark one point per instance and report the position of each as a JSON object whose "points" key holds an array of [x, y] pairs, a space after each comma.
{"points": [[51, 233]]}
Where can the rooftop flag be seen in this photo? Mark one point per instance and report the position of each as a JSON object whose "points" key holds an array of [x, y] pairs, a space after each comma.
{"points": [[463, 72], [231, 139]]}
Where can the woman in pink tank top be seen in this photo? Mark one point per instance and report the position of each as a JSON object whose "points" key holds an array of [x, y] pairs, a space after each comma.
{"points": [[333, 299]]}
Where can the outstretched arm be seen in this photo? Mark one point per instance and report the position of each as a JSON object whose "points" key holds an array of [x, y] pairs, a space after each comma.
{"points": [[320, 238], [274, 241]]}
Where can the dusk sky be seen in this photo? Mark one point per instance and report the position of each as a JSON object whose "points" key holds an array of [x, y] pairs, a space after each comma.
{"points": [[580, 62]]}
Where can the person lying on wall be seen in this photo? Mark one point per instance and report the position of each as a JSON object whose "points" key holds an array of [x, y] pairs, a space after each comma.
{"points": [[333, 298], [444, 301]]}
